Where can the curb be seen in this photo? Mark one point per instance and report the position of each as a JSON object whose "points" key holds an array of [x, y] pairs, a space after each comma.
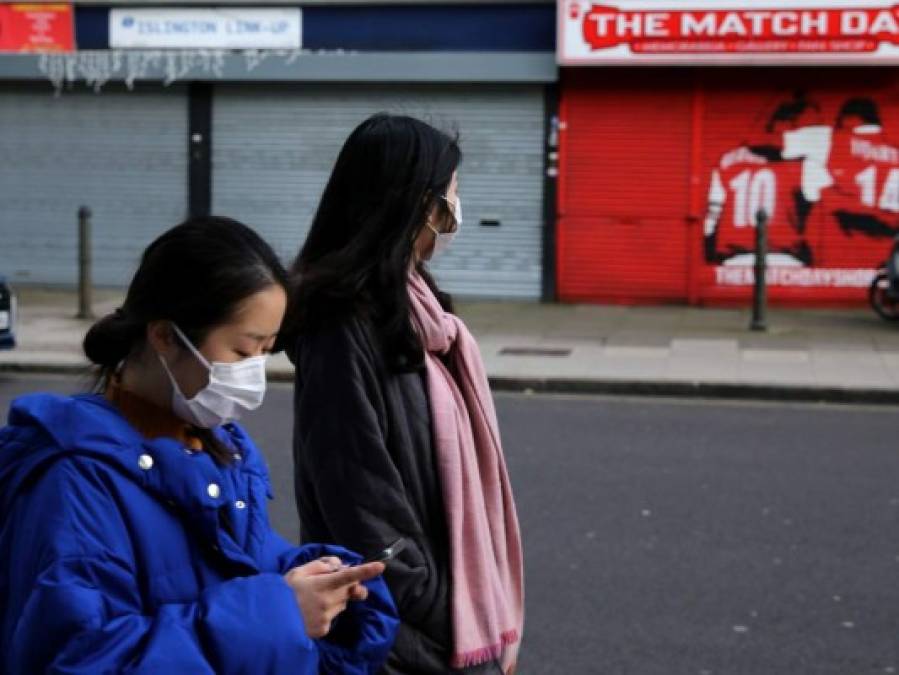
{"points": [[651, 388], [46, 368], [708, 390], [36, 368]]}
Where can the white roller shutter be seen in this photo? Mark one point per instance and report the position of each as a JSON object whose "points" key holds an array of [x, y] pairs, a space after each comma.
{"points": [[124, 154], [274, 147]]}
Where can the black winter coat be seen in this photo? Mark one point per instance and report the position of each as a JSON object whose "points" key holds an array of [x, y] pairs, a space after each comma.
{"points": [[365, 475]]}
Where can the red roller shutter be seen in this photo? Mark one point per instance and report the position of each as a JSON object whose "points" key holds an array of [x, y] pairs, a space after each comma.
{"points": [[838, 224], [625, 159], [662, 171]]}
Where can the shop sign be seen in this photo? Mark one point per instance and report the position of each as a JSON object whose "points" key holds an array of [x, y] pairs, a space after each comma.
{"points": [[631, 32], [34, 27], [223, 28]]}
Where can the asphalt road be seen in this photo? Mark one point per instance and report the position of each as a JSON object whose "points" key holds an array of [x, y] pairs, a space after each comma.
{"points": [[694, 537]]}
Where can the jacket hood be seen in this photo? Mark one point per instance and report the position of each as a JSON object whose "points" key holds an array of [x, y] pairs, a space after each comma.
{"points": [[45, 427]]}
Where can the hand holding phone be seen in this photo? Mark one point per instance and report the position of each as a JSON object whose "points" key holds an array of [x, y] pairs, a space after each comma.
{"points": [[322, 592]]}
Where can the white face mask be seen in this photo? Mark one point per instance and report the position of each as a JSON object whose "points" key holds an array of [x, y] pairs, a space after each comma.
{"points": [[442, 240], [232, 388]]}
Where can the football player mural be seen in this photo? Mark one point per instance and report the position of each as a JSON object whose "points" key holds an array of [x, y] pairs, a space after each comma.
{"points": [[861, 210], [826, 175], [781, 173]]}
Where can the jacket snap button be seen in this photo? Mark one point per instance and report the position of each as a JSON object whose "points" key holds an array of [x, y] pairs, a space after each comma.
{"points": [[240, 504], [145, 462], [214, 490]]}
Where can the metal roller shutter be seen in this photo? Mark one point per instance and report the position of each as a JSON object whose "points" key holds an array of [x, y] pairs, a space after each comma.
{"points": [[121, 153], [652, 161], [623, 186], [274, 147]]}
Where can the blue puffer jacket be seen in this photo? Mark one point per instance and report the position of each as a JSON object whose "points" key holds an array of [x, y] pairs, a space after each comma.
{"points": [[121, 554]]}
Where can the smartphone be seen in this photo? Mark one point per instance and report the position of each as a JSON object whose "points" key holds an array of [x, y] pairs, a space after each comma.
{"points": [[388, 553]]}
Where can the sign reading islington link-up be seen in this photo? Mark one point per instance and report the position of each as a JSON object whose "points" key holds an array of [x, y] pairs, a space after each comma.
{"points": [[205, 28], [629, 32]]}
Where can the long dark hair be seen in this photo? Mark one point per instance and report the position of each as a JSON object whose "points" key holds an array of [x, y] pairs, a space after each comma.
{"points": [[195, 275], [390, 173]]}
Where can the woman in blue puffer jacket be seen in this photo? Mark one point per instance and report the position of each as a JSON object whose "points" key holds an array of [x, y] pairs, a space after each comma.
{"points": [[133, 520]]}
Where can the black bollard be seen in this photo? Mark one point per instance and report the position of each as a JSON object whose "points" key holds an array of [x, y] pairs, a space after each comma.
{"points": [[85, 311], [760, 291]]}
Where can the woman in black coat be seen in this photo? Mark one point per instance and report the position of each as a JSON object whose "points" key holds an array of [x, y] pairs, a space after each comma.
{"points": [[368, 467]]}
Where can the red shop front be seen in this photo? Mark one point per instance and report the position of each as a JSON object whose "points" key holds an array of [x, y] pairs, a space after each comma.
{"points": [[663, 167]]}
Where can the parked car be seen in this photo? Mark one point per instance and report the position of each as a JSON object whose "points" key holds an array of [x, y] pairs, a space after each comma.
{"points": [[7, 316]]}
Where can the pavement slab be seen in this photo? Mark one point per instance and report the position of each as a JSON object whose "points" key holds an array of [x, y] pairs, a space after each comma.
{"points": [[834, 354]]}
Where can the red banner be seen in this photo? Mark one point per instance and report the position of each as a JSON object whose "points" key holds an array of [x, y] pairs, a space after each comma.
{"points": [[777, 29], [36, 28]]}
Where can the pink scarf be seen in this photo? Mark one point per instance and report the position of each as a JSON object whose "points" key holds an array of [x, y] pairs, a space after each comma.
{"points": [[487, 595]]}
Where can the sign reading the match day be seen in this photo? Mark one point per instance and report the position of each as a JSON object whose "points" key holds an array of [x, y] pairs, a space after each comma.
{"points": [[177, 28], [630, 32], [33, 27]]}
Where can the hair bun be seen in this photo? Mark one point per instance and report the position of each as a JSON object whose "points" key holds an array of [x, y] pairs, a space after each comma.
{"points": [[110, 339]]}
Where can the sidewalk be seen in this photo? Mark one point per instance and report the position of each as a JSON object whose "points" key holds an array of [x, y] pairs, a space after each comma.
{"points": [[828, 355]]}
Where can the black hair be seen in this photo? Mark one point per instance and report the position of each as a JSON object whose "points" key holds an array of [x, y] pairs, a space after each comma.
{"points": [[792, 110], [862, 107], [390, 173], [194, 275]]}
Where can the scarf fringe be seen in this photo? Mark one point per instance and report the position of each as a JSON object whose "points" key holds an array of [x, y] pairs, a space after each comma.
{"points": [[484, 654]]}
